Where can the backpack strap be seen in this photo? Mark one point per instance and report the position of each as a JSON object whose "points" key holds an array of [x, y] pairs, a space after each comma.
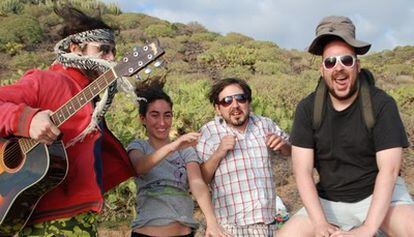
{"points": [[366, 80], [319, 103]]}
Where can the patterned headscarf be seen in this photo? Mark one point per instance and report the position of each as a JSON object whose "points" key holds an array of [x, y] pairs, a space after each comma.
{"points": [[90, 63]]}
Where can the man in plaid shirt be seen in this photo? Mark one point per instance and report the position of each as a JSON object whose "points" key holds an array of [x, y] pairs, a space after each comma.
{"points": [[235, 149]]}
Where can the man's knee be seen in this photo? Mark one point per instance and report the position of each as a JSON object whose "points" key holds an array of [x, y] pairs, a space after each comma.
{"points": [[398, 221], [290, 228]]}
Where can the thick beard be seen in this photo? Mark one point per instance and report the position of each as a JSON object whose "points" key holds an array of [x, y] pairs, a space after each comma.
{"points": [[352, 92]]}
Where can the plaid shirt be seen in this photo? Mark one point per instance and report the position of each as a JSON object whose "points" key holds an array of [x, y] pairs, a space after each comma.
{"points": [[243, 190]]}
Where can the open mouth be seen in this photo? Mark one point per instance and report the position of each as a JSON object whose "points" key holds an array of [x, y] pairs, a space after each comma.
{"points": [[341, 82], [236, 113]]}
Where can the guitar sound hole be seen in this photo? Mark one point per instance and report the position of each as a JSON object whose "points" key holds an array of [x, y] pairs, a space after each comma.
{"points": [[13, 156]]}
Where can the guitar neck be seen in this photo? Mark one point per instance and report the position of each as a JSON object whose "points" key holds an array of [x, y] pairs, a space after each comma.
{"points": [[68, 109], [82, 98]]}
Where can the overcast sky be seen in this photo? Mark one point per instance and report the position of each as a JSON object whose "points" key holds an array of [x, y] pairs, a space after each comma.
{"points": [[290, 23]]}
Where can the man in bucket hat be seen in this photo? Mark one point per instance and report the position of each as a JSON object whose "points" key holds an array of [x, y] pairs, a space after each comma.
{"points": [[360, 192]]}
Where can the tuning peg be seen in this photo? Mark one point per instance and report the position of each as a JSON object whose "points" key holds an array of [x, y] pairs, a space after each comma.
{"points": [[158, 63], [148, 70]]}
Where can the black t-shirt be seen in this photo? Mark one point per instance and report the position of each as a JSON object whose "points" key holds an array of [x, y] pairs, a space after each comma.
{"points": [[344, 149]]}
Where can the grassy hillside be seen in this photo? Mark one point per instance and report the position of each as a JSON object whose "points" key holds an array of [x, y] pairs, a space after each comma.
{"points": [[194, 58]]}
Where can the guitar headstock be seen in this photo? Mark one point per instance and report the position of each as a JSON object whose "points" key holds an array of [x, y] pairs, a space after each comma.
{"points": [[138, 59]]}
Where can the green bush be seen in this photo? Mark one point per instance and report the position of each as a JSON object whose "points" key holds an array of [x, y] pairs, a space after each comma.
{"points": [[123, 119], [181, 29], [23, 30], [37, 11], [171, 43], [134, 36], [257, 44], [28, 60], [179, 67], [204, 36], [233, 38], [11, 7], [191, 106], [160, 30], [12, 48], [228, 56], [270, 68], [237, 71], [146, 21], [128, 21]]}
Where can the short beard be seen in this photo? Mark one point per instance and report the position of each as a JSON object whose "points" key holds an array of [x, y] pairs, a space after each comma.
{"points": [[352, 92], [237, 122]]}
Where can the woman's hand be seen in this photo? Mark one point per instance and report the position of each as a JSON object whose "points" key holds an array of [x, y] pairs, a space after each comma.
{"points": [[186, 140], [215, 230]]}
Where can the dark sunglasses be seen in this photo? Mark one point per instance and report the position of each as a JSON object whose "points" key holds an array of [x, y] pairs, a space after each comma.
{"points": [[332, 61], [106, 49], [228, 100]]}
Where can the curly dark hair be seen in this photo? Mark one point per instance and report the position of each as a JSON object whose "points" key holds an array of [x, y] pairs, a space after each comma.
{"points": [[219, 86], [151, 90]]}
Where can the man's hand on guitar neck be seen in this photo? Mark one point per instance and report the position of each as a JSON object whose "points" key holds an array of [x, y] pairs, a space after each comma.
{"points": [[42, 128]]}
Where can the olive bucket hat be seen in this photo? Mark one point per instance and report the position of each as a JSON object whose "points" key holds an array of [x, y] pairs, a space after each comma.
{"points": [[336, 27]]}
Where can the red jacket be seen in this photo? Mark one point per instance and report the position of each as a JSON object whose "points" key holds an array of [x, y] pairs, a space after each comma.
{"points": [[99, 158]]}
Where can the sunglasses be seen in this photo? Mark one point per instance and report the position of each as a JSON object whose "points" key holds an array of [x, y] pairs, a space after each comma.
{"points": [[104, 48], [228, 100], [332, 61]]}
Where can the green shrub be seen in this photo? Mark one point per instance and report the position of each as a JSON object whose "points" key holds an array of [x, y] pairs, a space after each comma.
{"points": [[228, 56], [270, 68], [204, 36], [37, 11], [160, 30], [238, 71], [28, 60], [233, 38], [191, 106], [128, 21], [171, 43], [135, 36], [146, 21], [179, 67], [257, 44], [12, 48], [393, 70], [181, 29], [123, 120], [11, 7], [182, 38], [23, 30]]}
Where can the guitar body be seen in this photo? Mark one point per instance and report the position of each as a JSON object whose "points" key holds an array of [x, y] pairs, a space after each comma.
{"points": [[26, 181]]}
